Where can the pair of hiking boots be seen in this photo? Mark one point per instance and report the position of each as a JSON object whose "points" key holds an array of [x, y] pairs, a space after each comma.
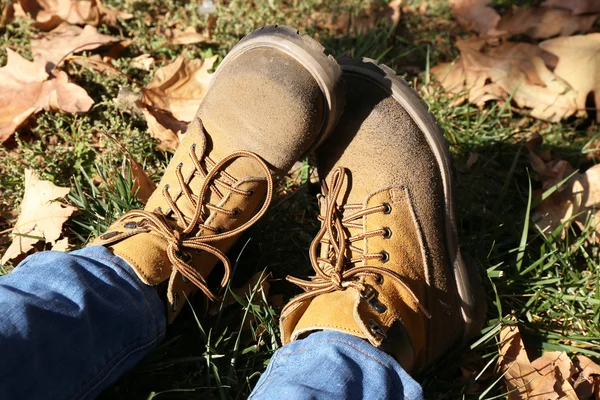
{"points": [[387, 262]]}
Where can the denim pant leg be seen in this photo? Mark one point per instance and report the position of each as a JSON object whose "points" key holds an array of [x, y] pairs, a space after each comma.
{"points": [[334, 365], [72, 323]]}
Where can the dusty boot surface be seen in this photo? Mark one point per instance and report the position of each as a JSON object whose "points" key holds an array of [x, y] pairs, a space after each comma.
{"points": [[388, 266], [274, 97]]}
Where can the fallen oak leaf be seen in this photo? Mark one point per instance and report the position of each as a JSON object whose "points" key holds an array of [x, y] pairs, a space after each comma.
{"points": [[587, 382], [41, 218], [545, 22], [346, 23], [512, 70], [52, 47], [576, 6], [163, 127], [578, 65], [26, 89], [475, 15], [188, 36], [523, 380], [48, 14], [575, 202], [180, 87]]}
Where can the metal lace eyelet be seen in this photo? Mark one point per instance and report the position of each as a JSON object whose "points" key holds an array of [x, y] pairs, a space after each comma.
{"points": [[388, 233], [109, 235], [175, 302], [376, 329], [219, 230], [387, 209], [250, 193], [193, 147], [368, 292], [385, 256], [167, 187], [379, 279], [236, 212], [131, 225], [180, 166], [378, 306]]}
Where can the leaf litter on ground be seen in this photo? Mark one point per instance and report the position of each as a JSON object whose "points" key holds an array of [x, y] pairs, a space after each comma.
{"points": [[48, 14], [49, 48]]}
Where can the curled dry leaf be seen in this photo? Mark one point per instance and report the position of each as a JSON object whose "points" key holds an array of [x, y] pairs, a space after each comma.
{"points": [[180, 87], [476, 16], [344, 22], [545, 22], [578, 65], [48, 14], [575, 202], [41, 218], [50, 48], [26, 89], [576, 6], [546, 378], [519, 70], [163, 127]]}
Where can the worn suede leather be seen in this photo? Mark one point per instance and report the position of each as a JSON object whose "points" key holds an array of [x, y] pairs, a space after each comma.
{"points": [[389, 161], [262, 101]]}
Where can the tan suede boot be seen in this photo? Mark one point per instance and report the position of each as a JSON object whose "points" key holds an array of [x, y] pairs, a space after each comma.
{"points": [[273, 98], [388, 266]]}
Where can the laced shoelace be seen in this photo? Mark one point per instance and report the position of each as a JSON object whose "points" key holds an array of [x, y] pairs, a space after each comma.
{"points": [[336, 272], [158, 222]]}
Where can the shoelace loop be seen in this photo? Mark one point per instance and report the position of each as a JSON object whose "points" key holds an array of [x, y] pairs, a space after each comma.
{"points": [[333, 273], [178, 241]]}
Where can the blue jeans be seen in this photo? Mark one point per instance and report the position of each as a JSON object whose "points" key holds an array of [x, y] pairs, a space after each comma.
{"points": [[72, 323]]}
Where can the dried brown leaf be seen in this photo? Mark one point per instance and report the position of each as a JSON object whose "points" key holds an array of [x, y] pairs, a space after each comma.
{"points": [[180, 87], [545, 22], [346, 23], [48, 14], [49, 48], [61, 245], [515, 70], [576, 6], [162, 126], [579, 65], [579, 195], [41, 218], [26, 89], [188, 36], [476, 16], [522, 380]]}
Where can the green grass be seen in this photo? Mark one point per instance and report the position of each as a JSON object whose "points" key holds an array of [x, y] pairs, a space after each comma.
{"points": [[546, 283]]}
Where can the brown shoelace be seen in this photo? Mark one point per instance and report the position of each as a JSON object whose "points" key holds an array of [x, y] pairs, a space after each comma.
{"points": [[178, 241], [336, 272]]}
